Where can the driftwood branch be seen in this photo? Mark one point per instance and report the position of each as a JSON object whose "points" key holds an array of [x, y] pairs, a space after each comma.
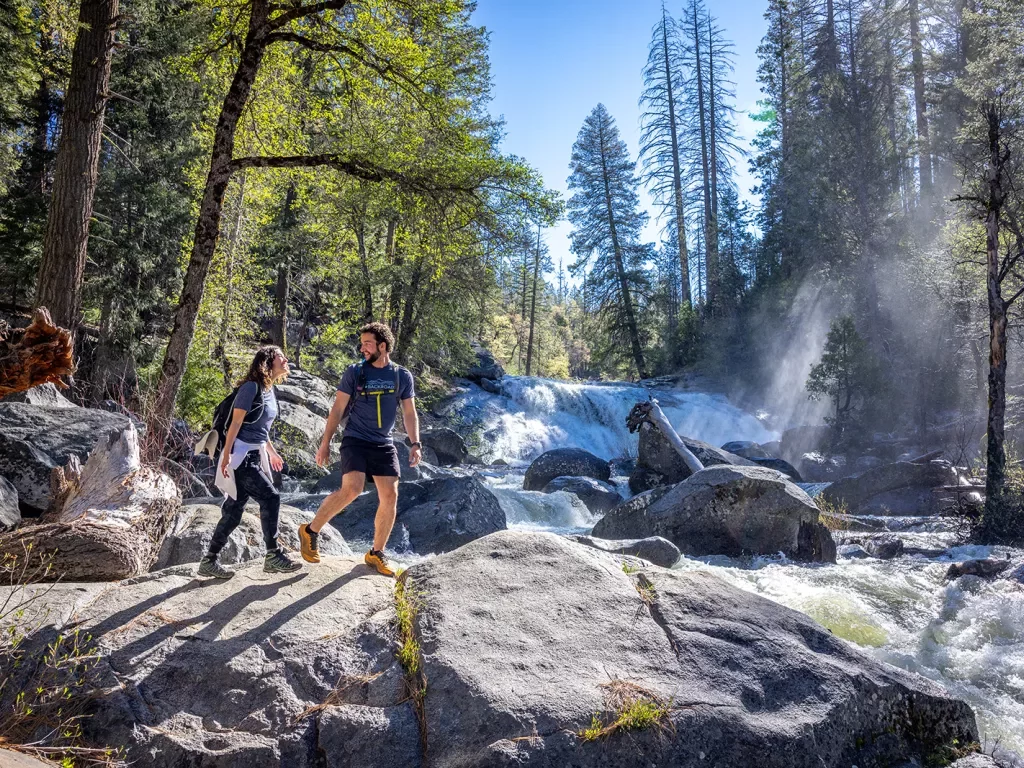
{"points": [[651, 413], [39, 354]]}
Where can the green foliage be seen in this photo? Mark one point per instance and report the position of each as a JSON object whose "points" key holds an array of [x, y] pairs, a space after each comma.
{"points": [[201, 389], [630, 707], [849, 375]]}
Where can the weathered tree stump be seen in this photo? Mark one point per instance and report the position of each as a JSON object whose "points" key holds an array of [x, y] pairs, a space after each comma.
{"points": [[39, 354], [651, 412], [108, 520]]}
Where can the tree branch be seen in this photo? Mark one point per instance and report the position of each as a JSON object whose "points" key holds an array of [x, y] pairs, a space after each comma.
{"points": [[290, 13]]}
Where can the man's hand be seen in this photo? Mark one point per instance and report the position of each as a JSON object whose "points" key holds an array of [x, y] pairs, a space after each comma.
{"points": [[415, 454], [323, 455]]}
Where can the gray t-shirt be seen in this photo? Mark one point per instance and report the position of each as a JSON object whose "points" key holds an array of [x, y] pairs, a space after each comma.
{"points": [[372, 414], [257, 431]]}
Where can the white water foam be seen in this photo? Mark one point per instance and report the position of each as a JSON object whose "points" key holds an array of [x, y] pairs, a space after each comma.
{"points": [[533, 415]]}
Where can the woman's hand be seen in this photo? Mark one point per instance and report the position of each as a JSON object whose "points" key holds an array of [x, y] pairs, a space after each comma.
{"points": [[276, 462], [225, 460]]}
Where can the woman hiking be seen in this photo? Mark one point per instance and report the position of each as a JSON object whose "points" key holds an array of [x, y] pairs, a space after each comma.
{"points": [[248, 457]]}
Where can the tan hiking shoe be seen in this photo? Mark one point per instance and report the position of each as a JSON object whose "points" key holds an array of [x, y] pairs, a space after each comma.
{"points": [[376, 559], [309, 543]]}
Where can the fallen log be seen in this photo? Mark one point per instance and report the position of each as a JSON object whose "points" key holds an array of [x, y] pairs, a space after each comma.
{"points": [[108, 519], [39, 354], [651, 412]]}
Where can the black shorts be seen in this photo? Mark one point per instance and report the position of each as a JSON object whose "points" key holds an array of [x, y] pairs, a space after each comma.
{"points": [[369, 458]]}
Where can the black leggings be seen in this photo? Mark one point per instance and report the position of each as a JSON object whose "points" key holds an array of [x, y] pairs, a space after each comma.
{"points": [[250, 482]]}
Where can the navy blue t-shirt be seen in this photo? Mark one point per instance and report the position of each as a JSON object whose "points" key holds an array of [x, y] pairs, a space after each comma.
{"points": [[371, 417], [258, 431]]}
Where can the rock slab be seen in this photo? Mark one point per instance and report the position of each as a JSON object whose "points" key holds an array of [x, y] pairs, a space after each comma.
{"points": [[572, 462], [729, 510]]}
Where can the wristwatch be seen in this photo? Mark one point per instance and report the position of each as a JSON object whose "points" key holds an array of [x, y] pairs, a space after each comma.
{"points": [[417, 444]]}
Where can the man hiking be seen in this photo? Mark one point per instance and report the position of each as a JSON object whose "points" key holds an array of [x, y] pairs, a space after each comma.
{"points": [[369, 394]]}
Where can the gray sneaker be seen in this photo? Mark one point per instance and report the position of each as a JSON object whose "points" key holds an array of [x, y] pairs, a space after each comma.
{"points": [[277, 561], [209, 566]]}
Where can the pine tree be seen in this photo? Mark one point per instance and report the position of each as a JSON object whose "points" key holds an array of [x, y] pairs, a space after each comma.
{"points": [[606, 230]]}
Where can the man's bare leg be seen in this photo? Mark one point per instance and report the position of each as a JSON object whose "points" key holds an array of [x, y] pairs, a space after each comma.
{"points": [[387, 508], [352, 484]]}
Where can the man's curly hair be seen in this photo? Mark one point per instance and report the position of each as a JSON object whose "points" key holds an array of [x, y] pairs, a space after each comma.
{"points": [[382, 333]]}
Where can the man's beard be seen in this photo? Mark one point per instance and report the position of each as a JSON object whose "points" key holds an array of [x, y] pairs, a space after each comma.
{"points": [[373, 357]]}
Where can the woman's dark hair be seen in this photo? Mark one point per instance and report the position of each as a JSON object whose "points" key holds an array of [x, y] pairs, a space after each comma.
{"points": [[382, 333], [261, 366]]}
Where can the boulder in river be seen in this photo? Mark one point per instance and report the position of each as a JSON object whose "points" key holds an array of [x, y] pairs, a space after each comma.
{"points": [[35, 438], [653, 549], [526, 640], [572, 462], [859, 493], [598, 495], [727, 510], [655, 455], [883, 546], [985, 567], [447, 445]]}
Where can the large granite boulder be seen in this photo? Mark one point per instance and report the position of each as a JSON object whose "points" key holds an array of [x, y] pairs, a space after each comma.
{"points": [[34, 439], [433, 515], [572, 462], [598, 495], [894, 488], [10, 513], [779, 465], [522, 663], [728, 510], [485, 366], [525, 640], [311, 385], [46, 395], [447, 445], [310, 399], [658, 461], [190, 534], [296, 435]]}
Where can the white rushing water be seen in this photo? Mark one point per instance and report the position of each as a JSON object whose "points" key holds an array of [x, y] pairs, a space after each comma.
{"points": [[966, 635], [533, 415]]}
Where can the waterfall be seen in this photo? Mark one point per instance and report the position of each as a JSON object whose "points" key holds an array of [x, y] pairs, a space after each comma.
{"points": [[533, 415]]}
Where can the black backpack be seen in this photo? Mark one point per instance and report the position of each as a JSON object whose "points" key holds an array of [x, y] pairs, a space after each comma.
{"points": [[222, 415]]}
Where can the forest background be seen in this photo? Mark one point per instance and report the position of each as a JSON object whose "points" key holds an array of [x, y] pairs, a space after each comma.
{"points": [[183, 179]]}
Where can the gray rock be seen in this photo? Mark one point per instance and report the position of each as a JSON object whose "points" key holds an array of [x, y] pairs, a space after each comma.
{"points": [[779, 465], [447, 444], [747, 449], [976, 760], [653, 549], [797, 441], [817, 467], [312, 385], [311, 400], [189, 537], [986, 568], [34, 439], [641, 480], [296, 435], [523, 661], [10, 513], [903, 502], [884, 547], [573, 462], [864, 463], [9, 759], [852, 551], [656, 454], [733, 511], [857, 491], [485, 366], [490, 385], [210, 673], [45, 395], [598, 495], [433, 515], [637, 506]]}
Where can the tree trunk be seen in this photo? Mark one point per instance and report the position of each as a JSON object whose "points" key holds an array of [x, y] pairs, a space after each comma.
{"points": [[620, 268], [996, 459], [923, 153], [533, 303], [62, 268], [109, 517], [359, 225], [208, 224], [281, 290], [711, 258], [677, 175]]}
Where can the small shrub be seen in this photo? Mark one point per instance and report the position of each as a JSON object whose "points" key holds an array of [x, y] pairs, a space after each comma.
{"points": [[834, 516], [629, 707]]}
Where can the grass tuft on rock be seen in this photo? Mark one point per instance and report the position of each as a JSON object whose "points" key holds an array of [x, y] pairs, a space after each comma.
{"points": [[629, 707], [409, 652]]}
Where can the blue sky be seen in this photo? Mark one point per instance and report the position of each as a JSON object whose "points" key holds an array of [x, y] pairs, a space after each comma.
{"points": [[553, 61]]}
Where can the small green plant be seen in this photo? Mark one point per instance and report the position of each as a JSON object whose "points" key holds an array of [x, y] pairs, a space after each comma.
{"points": [[409, 652], [629, 568], [629, 707]]}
